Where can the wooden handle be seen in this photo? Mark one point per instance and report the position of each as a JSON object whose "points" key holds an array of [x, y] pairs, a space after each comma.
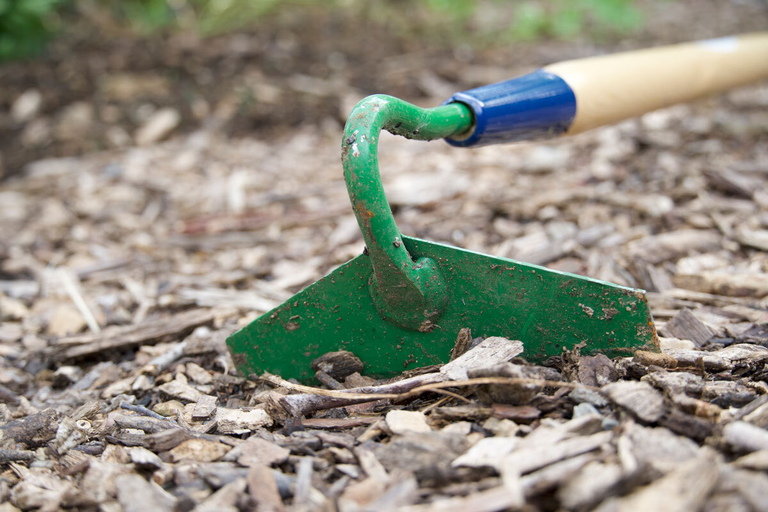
{"points": [[611, 88]]}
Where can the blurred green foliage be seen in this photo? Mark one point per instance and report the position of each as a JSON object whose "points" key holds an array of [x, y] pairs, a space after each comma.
{"points": [[565, 19], [25, 25]]}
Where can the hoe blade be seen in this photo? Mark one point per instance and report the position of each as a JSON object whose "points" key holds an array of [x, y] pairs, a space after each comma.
{"points": [[545, 309]]}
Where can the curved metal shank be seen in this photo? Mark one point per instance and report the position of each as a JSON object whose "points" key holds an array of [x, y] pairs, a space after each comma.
{"points": [[408, 293]]}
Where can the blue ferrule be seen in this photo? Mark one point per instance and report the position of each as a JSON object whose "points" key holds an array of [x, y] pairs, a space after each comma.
{"points": [[536, 105]]}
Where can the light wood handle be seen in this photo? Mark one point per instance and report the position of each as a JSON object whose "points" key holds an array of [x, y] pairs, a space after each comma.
{"points": [[611, 88]]}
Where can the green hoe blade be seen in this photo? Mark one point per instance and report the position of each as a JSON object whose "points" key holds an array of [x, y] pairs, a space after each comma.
{"points": [[547, 310], [402, 303]]}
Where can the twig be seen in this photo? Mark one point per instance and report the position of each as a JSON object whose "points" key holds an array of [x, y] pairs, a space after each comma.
{"points": [[67, 279], [14, 455], [451, 394], [143, 411], [328, 381], [436, 404], [315, 399]]}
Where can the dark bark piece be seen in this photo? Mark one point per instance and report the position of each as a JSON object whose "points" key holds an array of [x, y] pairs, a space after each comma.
{"points": [[516, 413], [757, 333], [6, 395], [685, 325], [32, 431], [219, 474], [337, 439], [422, 452], [15, 455], [328, 381], [471, 412], [732, 182], [356, 380], [340, 423], [678, 422], [165, 440], [463, 342], [338, 364], [156, 331], [597, 370], [520, 394], [147, 424], [295, 406]]}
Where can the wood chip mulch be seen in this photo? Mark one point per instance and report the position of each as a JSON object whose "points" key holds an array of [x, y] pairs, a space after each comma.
{"points": [[122, 273]]}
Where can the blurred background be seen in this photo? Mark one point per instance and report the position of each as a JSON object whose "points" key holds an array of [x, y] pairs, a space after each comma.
{"points": [[85, 75]]}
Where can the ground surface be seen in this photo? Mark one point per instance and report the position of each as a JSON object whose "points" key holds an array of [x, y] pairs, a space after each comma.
{"points": [[122, 271]]}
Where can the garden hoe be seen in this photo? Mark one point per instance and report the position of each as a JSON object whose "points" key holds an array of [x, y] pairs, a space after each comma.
{"points": [[401, 304]]}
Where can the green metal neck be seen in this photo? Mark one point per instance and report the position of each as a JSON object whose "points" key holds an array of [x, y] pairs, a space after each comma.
{"points": [[408, 293]]}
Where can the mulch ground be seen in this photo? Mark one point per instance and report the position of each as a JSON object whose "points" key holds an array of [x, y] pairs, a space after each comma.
{"points": [[123, 271]]}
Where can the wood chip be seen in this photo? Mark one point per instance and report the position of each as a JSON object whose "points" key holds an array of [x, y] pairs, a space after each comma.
{"points": [[681, 490], [198, 450], [263, 489], [180, 390], [231, 421], [198, 374], [525, 460], [722, 283], [489, 352], [225, 499], [596, 370], [549, 477], [31, 431], [118, 338], [486, 452], [492, 500], [370, 464], [339, 364], [516, 413], [135, 494], [640, 398], [144, 458], [756, 460], [339, 423], [658, 450], [400, 422], [745, 437], [685, 325], [592, 484], [257, 452], [672, 245], [204, 408], [655, 359]]}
